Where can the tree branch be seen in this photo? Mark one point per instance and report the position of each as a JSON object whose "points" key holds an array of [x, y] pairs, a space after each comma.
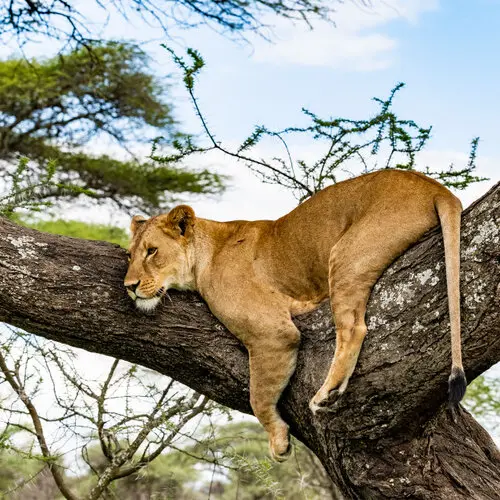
{"points": [[71, 291]]}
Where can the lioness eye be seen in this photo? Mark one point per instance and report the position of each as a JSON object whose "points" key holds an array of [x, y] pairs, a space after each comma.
{"points": [[152, 251]]}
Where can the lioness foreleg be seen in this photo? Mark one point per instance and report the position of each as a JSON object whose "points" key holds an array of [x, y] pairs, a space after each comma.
{"points": [[272, 363]]}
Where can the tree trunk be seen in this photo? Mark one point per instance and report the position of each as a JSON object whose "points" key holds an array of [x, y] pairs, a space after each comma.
{"points": [[390, 436]]}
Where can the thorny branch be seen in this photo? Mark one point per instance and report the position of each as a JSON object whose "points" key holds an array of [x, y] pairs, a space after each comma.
{"points": [[121, 436], [352, 146]]}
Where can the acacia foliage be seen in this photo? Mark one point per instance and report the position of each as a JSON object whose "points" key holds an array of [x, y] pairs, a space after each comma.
{"points": [[351, 145], [52, 109], [131, 416]]}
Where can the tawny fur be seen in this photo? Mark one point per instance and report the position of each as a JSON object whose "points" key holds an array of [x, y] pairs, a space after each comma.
{"points": [[256, 275]]}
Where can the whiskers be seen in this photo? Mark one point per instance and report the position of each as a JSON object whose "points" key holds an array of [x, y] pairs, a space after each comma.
{"points": [[162, 292]]}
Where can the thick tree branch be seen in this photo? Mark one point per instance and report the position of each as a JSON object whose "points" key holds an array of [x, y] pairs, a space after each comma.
{"points": [[71, 290]]}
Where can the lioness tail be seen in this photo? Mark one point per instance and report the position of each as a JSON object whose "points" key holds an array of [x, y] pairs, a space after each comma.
{"points": [[449, 210]]}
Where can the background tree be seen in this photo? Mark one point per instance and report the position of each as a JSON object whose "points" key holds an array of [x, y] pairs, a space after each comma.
{"points": [[52, 109], [79, 229], [17, 468], [241, 453], [129, 436], [483, 400]]}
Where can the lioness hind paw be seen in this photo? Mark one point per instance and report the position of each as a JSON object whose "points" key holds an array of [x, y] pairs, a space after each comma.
{"points": [[314, 407], [319, 407], [333, 397], [325, 403]]}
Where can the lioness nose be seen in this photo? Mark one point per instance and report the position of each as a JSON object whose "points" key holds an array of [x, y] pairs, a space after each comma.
{"points": [[132, 286]]}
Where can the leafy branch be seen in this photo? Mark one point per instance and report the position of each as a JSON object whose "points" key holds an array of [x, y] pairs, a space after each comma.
{"points": [[130, 435], [352, 146], [24, 193]]}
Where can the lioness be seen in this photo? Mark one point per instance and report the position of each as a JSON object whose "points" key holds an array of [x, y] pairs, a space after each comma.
{"points": [[256, 275]]}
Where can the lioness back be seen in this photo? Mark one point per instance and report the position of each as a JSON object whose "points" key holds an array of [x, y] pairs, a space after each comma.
{"points": [[399, 204]]}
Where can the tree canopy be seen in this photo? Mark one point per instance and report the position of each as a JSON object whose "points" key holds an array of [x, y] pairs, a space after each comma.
{"points": [[58, 108]]}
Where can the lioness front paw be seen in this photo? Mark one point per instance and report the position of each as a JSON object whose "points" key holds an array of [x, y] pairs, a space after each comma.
{"points": [[315, 404], [279, 444]]}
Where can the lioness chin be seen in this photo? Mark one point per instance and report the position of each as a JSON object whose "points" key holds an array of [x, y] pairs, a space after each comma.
{"points": [[256, 275]]}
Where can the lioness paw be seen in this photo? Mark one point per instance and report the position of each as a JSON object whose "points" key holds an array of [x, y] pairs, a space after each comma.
{"points": [[280, 452], [324, 400], [321, 407], [279, 444], [316, 402]]}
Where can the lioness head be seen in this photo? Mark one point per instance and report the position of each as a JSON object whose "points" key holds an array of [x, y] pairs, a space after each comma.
{"points": [[160, 256]]}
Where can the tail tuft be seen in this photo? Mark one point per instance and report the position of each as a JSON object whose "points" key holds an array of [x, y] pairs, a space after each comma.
{"points": [[456, 385]]}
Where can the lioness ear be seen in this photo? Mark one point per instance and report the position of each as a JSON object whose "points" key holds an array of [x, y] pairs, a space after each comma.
{"points": [[181, 218], [137, 220]]}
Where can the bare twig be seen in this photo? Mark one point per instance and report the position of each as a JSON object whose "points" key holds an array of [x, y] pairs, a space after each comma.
{"points": [[52, 465]]}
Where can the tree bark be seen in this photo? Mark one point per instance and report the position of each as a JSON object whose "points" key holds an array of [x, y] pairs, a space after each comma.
{"points": [[390, 436]]}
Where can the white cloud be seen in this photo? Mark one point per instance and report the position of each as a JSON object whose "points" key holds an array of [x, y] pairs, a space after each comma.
{"points": [[326, 47], [355, 43]]}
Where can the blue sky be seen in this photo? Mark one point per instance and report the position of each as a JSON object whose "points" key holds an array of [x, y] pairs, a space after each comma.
{"points": [[450, 61], [445, 51]]}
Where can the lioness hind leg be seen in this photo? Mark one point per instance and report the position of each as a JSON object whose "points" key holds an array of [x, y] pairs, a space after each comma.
{"points": [[356, 262], [272, 363], [350, 326]]}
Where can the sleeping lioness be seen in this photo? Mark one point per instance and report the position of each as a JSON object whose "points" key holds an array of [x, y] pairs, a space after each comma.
{"points": [[256, 275]]}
